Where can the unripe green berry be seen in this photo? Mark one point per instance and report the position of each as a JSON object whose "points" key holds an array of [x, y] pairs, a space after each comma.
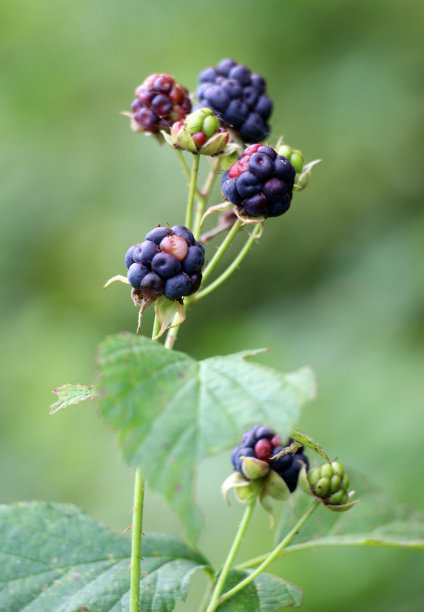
{"points": [[345, 498], [285, 151], [313, 476], [326, 471], [336, 498], [210, 126], [335, 483], [322, 487], [338, 468], [194, 123], [297, 160], [345, 482]]}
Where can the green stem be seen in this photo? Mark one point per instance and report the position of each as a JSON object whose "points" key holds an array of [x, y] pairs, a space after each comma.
{"points": [[203, 196], [214, 601], [186, 170], [272, 556], [137, 523], [221, 249], [192, 190], [231, 267]]}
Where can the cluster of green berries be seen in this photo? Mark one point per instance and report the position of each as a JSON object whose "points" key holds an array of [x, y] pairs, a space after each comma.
{"points": [[200, 132], [330, 483]]}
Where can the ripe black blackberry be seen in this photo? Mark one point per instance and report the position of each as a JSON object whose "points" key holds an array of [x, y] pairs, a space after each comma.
{"points": [[262, 443], [237, 97], [260, 183], [159, 102], [168, 263]]}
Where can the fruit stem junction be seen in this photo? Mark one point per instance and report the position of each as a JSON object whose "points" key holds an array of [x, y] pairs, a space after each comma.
{"points": [[272, 555]]}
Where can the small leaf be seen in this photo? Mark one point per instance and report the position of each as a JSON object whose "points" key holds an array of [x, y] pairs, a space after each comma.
{"points": [[171, 410], [71, 395], [54, 557], [266, 593], [377, 521], [308, 441], [170, 314], [234, 481]]}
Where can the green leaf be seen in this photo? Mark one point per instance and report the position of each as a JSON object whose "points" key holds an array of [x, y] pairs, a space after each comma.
{"points": [[171, 410], [71, 395], [266, 593], [308, 441], [54, 557], [377, 521]]}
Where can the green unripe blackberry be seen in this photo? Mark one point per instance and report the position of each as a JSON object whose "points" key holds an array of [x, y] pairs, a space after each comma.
{"points": [[330, 483]]}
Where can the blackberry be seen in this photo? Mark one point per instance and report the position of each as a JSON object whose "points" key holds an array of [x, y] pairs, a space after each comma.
{"points": [[159, 102], [237, 96], [260, 183], [262, 443], [168, 262]]}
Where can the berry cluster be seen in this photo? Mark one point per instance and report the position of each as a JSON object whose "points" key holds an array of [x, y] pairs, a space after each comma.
{"points": [[200, 132], [260, 183], [262, 443], [238, 97], [168, 263], [159, 102], [330, 483]]}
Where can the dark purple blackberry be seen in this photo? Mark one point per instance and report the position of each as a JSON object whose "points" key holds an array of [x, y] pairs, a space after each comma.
{"points": [[159, 102], [168, 262], [260, 183], [262, 443], [237, 97]]}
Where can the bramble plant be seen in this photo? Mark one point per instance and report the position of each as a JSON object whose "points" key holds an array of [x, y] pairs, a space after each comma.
{"points": [[170, 410]]}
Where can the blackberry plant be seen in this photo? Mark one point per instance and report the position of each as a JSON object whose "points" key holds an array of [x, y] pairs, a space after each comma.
{"points": [[171, 410]]}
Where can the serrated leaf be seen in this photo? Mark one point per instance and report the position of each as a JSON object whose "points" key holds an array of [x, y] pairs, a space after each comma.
{"points": [[170, 313], [171, 410], [71, 395], [377, 521], [308, 441], [266, 593], [53, 557]]}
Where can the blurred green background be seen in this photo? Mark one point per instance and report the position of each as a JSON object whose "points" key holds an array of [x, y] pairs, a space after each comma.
{"points": [[336, 283]]}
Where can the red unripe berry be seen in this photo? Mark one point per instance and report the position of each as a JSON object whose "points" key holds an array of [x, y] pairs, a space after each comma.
{"points": [[263, 449], [176, 245], [252, 149], [234, 171], [199, 139], [275, 441]]}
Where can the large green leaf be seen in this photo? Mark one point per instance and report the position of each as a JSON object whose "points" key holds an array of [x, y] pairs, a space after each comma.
{"points": [[266, 593], [377, 521], [171, 410], [53, 558]]}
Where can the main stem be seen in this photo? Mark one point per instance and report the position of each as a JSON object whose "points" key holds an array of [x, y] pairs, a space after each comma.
{"points": [[192, 190], [213, 604], [137, 523], [272, 556]]}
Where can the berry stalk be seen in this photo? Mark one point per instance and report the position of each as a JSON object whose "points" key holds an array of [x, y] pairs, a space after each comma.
{"points": [[192, 190], [215, 600], [273, 555], [203, 195], [230, 268], [186, 170], [221, 249]]}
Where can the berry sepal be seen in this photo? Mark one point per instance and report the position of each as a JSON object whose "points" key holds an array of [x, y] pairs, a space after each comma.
{"points": [[170, 313], [243, 488], [303, 171], [328, 484]]}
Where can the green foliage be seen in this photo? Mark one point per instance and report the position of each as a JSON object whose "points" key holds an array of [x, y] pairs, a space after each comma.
{"points": [[266, 593], [308, 441], [171, 410], [53, 557], [377, 521], [71, 395]]}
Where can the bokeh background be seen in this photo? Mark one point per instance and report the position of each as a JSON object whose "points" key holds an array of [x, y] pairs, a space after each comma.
{"points": [[336, 283]]}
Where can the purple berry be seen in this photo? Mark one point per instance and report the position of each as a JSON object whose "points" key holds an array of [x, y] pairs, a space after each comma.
{"points": [[165, 264]]}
